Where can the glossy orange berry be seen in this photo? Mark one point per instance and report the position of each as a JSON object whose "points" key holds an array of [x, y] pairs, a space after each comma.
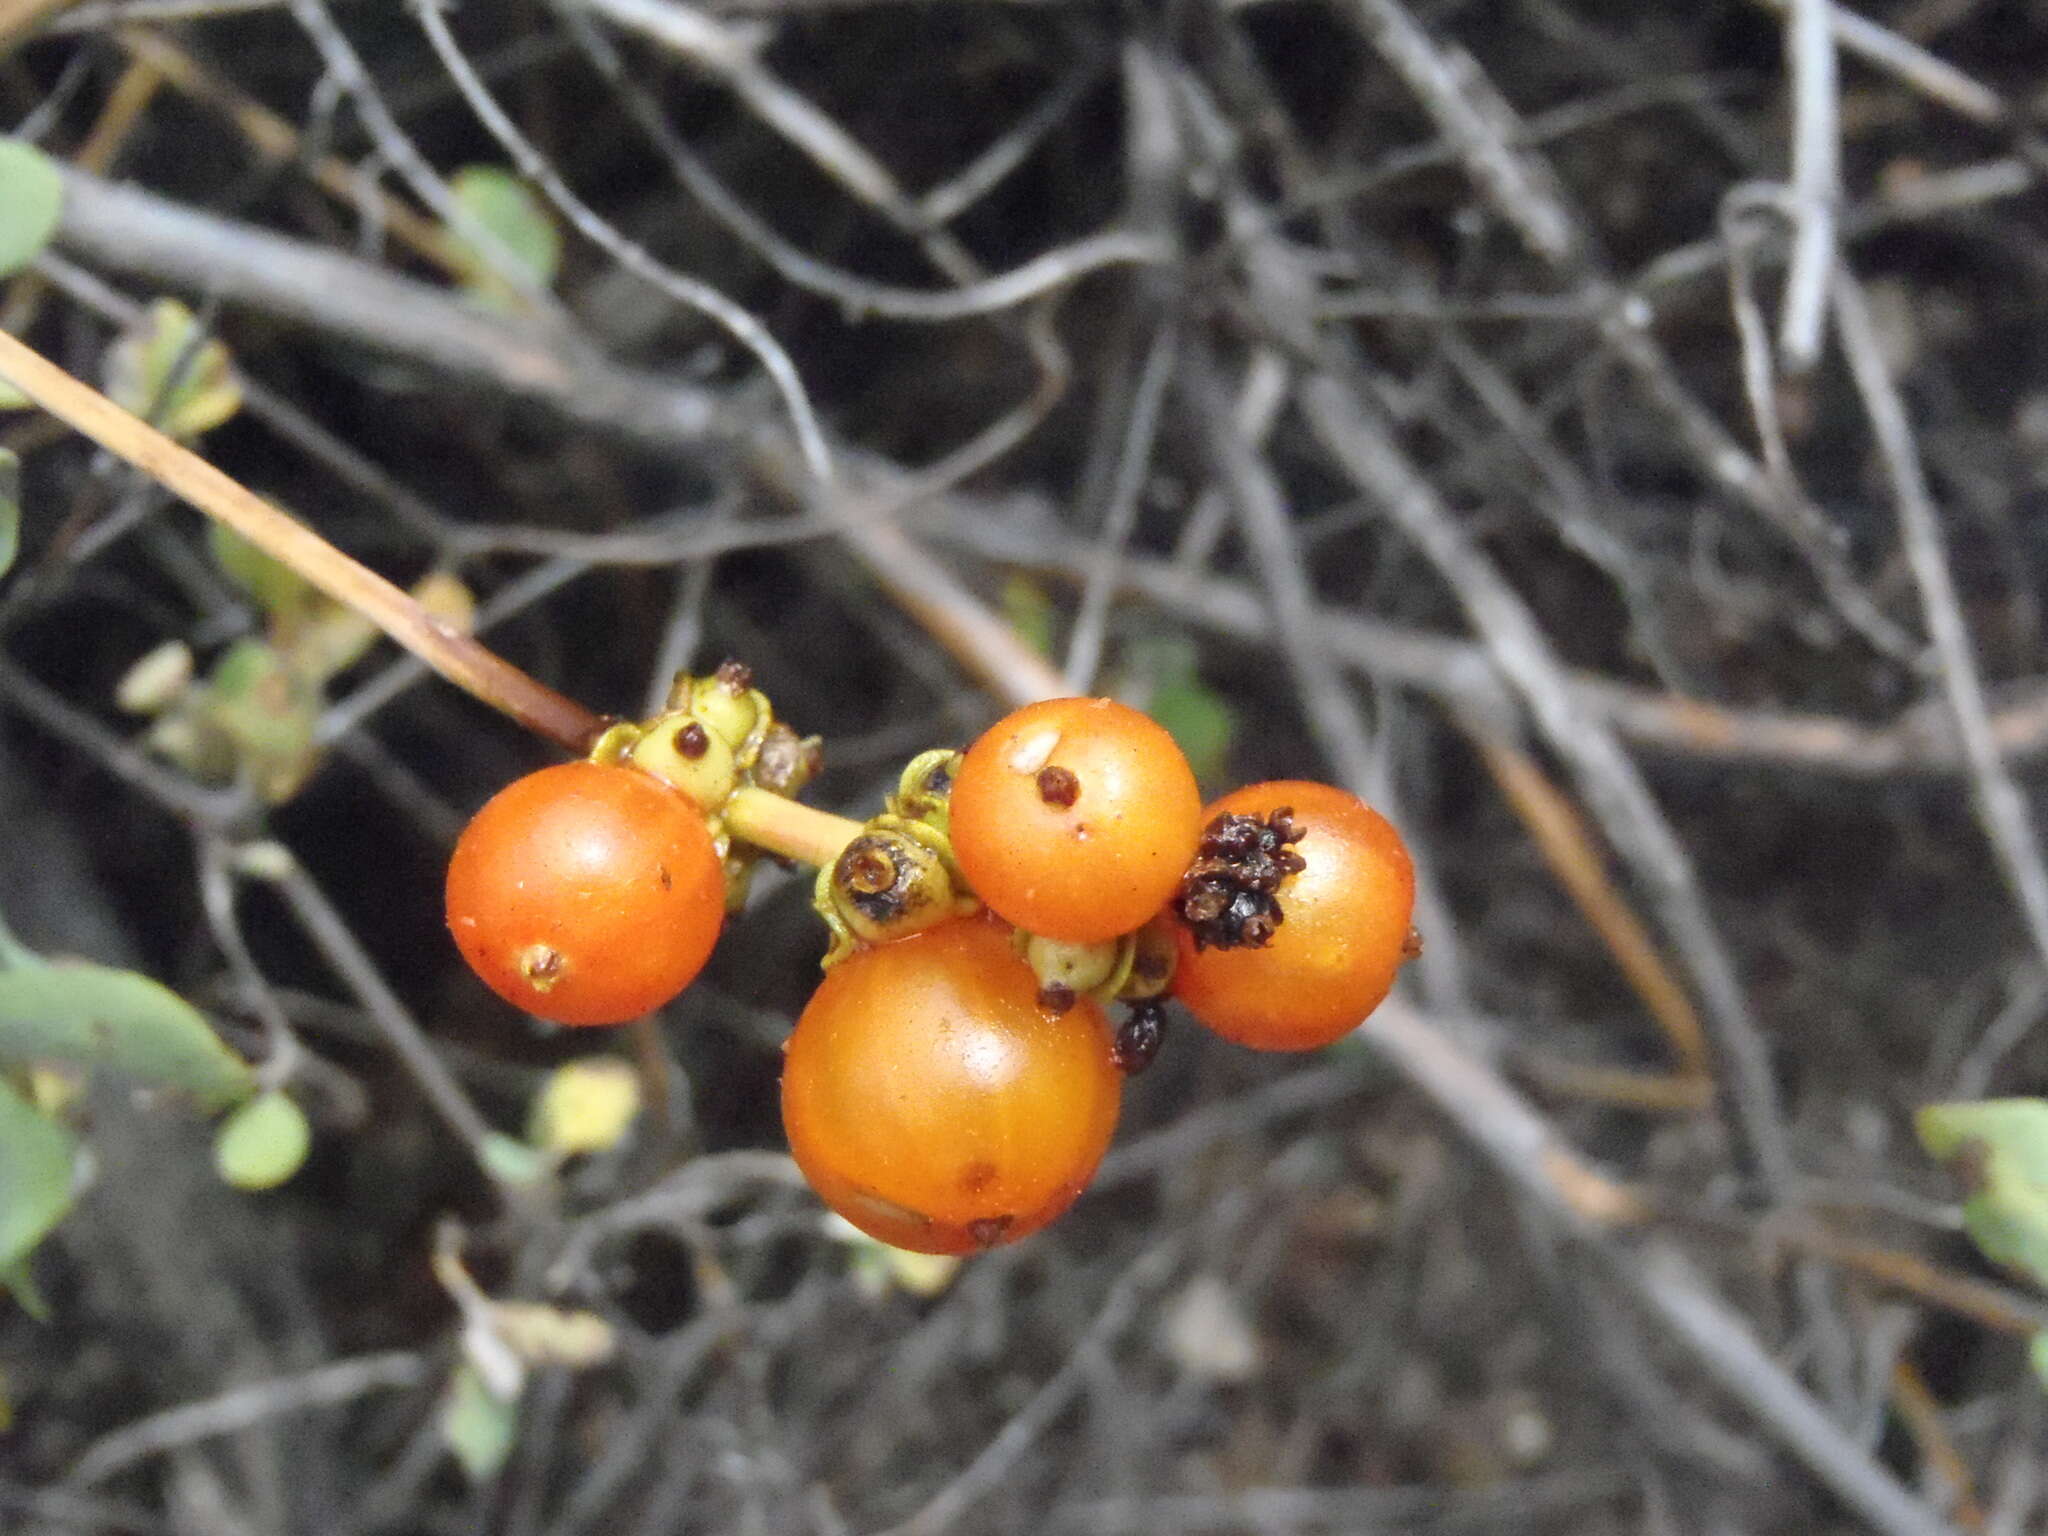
{"points": [[1074, 818], [1343, 925], [934, 1104], [586, 893]]}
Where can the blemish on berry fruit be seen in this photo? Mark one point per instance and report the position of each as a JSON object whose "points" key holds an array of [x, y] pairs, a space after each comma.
{"points": [[1058, 786], [1033, 752], [736, 677], [542, 966], [1411, 946], [881, 1209], [989, 1230], [667, 880], [693, 741], [1056, 997], [977, 1176]]}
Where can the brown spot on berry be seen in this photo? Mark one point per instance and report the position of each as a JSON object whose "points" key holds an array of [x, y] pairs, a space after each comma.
{"points": [[989, 1230], [693, 741], [977, 1176], [667, 881], [1058, 786], [736, 677]]}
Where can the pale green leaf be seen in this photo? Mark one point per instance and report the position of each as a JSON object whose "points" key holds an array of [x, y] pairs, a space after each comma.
{"points": [[268, 709], [10, 509], [509, 211], [20, 1282], [2037, 1353], [586, 1106], [162, 371], [31, 200], [1028, 610], [272, 585], [1999, 1148], [156, 680], [1204, 726], [36, 1156], [263, 1143], [477, 1424], [512, 1160], [94, 1016], [1165, 671]]}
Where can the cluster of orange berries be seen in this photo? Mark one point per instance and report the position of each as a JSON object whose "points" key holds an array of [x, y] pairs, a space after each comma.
{"points": [[955, 1079]]}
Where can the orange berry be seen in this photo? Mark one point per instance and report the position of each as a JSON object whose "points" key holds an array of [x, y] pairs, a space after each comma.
{"points": [[1343, 933], [586, 893], [934, 1104], [1074, 818]]}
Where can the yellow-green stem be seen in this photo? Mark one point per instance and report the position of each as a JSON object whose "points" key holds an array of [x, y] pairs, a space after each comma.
{"points": [[787, 827]]}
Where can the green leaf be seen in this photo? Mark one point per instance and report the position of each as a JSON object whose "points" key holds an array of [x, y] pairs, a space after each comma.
{"points": [[1193, 713], [36, 1157], [477, 1424], [268, 709], [162, 371], [31, 199], [2037, 1353], [516, 218], [10, 509], [263, 1143], [273, 586], [1999, 1148], [1027, 608], [21, 1282], [1196, 717], [512, 1160], [94, 1016]]}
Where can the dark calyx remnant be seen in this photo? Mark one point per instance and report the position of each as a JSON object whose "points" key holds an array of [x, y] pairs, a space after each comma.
{"points": [[1138, 1037], [1229, 898], [1056, 997]]}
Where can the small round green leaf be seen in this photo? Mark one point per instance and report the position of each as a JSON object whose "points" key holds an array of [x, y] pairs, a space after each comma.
{"points": [[477, 1424], [2000, 1150], [506, 209], [263, 1143], [31, 199], [512, 1161]]}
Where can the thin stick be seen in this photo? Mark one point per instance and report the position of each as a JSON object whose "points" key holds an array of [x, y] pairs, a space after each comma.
{"points": [[457, 657], [1567, 846], [1912, 65], [1816, 180], [244, 1407], [2007, 820]]}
